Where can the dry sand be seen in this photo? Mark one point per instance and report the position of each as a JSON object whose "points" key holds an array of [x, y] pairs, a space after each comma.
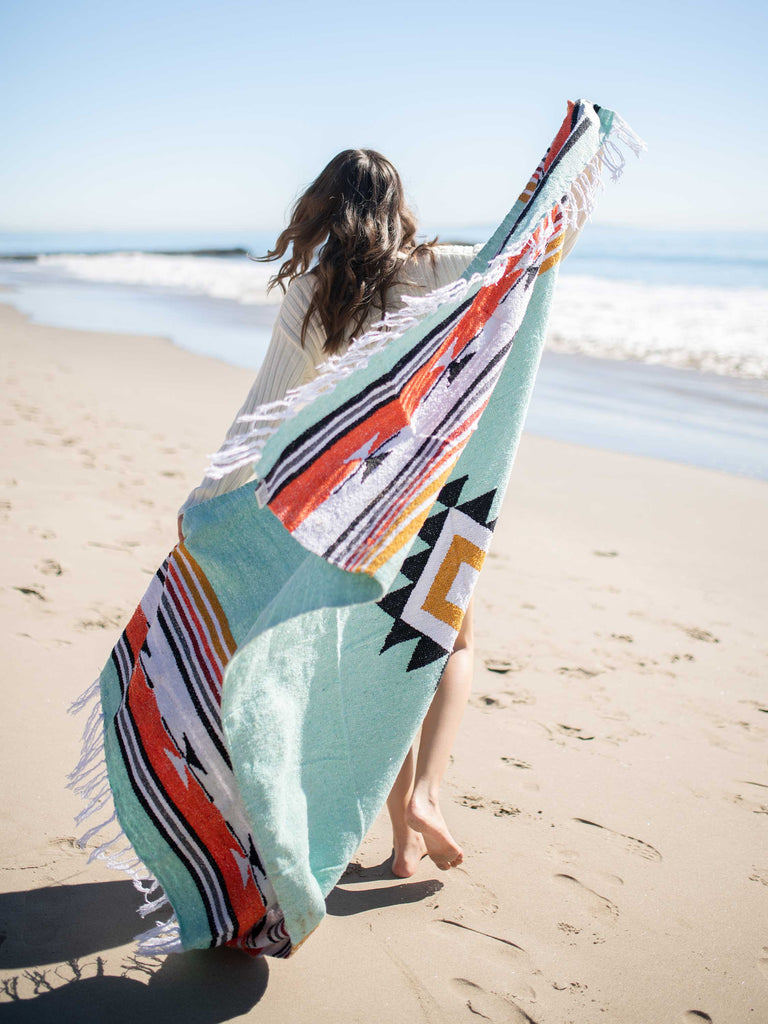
{"points": [[610, 784]]}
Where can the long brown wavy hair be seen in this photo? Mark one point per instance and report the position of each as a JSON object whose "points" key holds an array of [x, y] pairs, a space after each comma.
{"points": [[355, 210]]}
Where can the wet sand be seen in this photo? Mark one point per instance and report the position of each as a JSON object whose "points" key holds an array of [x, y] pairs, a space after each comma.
{"points": [[610, 784], [623, 405]]}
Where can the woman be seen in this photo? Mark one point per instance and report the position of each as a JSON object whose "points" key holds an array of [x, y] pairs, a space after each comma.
{"points": [[353, 219]]}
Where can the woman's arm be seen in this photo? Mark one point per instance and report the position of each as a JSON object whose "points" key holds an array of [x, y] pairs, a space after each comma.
{"points": [[451, 261]]}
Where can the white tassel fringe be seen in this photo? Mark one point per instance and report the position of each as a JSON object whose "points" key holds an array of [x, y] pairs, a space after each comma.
{"points": [[90, 781]]}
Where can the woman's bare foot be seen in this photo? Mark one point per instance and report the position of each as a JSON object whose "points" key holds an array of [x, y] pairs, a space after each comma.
{"points": [[408, 849], [424, 816]]}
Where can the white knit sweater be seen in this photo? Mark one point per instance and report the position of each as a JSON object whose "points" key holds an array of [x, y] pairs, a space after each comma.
{"points": [[288, 365]]}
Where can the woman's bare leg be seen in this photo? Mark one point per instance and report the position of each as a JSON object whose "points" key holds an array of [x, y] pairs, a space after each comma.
{"points": [[418, 825], [408, 845]]}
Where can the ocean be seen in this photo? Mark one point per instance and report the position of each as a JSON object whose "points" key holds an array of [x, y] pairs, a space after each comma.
{"points": [[658, 341]]}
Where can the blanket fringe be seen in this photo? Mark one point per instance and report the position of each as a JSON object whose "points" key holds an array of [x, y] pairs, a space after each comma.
{"points": [[90, 781], [246, 448]]}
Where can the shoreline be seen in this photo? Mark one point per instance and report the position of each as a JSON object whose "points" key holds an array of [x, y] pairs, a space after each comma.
{"points": [[607, 786], [680, 414]]}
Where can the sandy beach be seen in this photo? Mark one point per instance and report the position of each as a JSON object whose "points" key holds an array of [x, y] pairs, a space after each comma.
{"points": [[610, 784]]}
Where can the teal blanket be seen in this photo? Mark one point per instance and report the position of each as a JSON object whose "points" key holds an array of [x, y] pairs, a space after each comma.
{"points": [[260, 702]]}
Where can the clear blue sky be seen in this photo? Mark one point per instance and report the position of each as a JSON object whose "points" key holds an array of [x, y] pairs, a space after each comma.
{"points": [[157, 114]]}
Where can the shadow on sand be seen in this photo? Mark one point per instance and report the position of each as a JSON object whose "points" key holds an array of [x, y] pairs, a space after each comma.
{"points": [[54, 937], [67, 925], [343, 902]]}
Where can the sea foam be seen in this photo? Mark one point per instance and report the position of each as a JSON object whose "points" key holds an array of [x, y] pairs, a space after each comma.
{"points": [[721, 330], [236, 278]]}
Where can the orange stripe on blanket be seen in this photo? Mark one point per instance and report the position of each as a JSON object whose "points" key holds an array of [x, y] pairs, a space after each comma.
{"points": [[402, 538], [560, 139], [376, 557], [188, 797], [399, 515], [555, 245], [422, 487], [548, 264], [136, 631], [196, 635], [200, 588], [325, 474]]}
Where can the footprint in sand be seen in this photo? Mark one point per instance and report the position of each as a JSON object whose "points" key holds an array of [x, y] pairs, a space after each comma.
{"points": [[757, 705], [762, 962], [42, 532], [695, 633], [501, 666], [574, 731], [593, 901], [510, 952], [753, 796], [562, 854], [569, 929], [485, 701], [478, 803], [519, 697], [629, 843], [49, 567], [503, 699], [490, 1005], [31, 592], [528, 783], [26, 412], [501, 810], [515, 964], [50, 644], [101, 620], [68, 844]]}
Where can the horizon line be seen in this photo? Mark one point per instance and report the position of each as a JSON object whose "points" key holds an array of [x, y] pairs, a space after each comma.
{"points": [[691, 229]]}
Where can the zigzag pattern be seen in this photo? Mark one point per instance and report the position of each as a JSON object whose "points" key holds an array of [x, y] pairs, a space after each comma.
{"points": [[429, 609]]}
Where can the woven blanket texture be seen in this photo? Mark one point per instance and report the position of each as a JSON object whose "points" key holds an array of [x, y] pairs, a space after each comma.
{"points": [[252, 717]]}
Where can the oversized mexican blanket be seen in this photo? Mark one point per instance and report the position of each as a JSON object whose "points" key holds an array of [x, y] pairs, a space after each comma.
{"points": [[259, 704]]}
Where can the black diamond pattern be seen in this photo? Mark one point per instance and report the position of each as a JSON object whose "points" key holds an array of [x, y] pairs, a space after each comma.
{"points": [[426, 650]]}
